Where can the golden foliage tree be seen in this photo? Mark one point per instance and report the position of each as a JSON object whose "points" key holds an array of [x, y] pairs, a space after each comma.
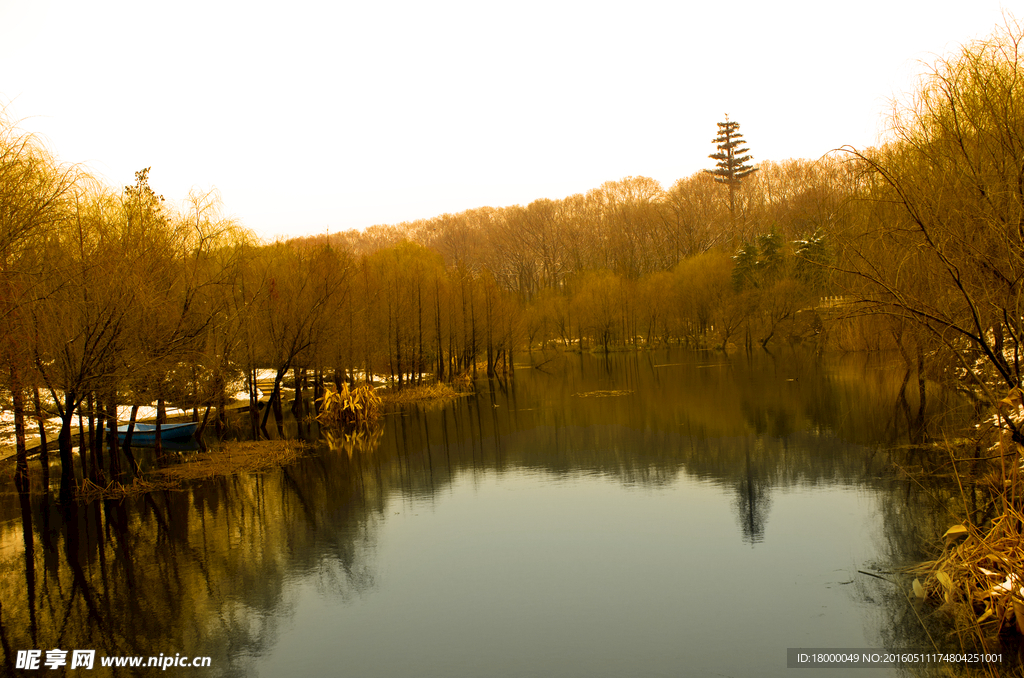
{"points": [[942, 243]]}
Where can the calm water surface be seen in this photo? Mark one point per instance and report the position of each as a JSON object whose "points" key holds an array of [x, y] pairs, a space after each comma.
{"points": [[652, 514]]}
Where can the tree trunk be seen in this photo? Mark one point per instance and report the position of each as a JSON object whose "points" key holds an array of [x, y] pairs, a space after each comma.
{"points": [[95, 442], [398, 348], [275, 399], [67, 469], [419, 347], [39, 418], [472, 349], [318, 390], [437, 323], [254, 403], [222, 404], [453, 367], [21, 465], [202, 429], [298, 406], [161, 415], [128, 440], [83, 451], [488, 318], [113, 446], [921, 394]]}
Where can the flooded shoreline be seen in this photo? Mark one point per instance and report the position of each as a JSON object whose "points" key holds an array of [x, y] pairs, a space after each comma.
{"points": [[520, 529]]}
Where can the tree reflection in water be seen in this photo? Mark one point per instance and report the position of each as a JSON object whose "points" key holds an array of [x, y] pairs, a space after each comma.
{"points": [[196, 572], [753, 501], [207, 570]]}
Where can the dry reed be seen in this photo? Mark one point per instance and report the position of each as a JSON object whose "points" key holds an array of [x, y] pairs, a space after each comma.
{"points": [[437, 391], [357, 406], [978, 578]]}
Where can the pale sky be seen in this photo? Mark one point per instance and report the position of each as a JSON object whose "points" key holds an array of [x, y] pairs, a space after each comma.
{"points": [[313, 116]]}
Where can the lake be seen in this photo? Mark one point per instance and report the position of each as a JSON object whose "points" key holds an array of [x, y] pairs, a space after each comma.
{"points": [[661, 513]]}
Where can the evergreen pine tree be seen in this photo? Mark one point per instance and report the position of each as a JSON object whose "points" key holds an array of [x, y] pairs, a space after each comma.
{"points": [[731, 159], [744, 273]]}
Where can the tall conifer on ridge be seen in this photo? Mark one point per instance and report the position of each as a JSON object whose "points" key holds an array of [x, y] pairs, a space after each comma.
{"points": [[733, 163]]}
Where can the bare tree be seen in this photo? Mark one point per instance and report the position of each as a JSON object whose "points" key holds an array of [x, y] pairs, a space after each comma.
{"points": [[33, 191], [942, 239]]}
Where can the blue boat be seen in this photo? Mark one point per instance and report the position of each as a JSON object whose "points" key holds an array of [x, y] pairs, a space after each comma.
{"points": [[145, 434]]}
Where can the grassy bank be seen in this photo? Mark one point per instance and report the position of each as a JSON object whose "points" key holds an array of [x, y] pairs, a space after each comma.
{"points": [[226, 459]]}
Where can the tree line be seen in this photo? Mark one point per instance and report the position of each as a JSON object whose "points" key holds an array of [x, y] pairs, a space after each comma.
{"points": [[109, 297]]}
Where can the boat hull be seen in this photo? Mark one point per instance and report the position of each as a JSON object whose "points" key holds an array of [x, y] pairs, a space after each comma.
{"points": [[145, 434]]}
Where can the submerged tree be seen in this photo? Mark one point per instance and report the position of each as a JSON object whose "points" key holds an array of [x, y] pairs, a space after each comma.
{"points": [[732, 162]]}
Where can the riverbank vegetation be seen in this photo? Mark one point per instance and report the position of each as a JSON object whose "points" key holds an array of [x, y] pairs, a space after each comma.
{"points": [[356, 407], [228, 458], [942, 254]]}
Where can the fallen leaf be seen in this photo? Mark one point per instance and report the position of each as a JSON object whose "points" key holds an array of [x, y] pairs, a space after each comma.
{"points": [[944, 579], [955, 532], [918, 589]]}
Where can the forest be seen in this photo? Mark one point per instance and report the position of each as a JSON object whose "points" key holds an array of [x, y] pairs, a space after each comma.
{"points": [[110, 297]]}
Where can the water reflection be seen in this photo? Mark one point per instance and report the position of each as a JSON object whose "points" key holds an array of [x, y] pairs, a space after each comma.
{"points": [[753, 499], [196, 572], [699, 493]]}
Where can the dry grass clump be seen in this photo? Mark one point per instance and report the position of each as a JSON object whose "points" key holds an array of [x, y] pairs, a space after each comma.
{"points": [[425, 392], [359, 406], [88, 490], [226, 459], [234, 457], [979, 577]]}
